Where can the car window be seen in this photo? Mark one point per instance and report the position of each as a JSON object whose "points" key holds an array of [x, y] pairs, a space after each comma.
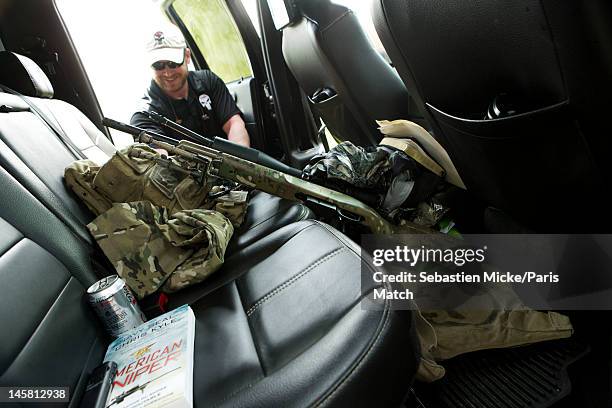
{"points": [[111, 46], [251, 8], [213, 29]]}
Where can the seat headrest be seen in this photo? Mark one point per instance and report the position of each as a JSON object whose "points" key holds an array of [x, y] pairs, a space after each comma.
{"points": [[23, 75]]}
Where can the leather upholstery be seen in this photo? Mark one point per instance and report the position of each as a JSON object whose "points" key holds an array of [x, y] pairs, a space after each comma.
{"points": [[537, 164], [296, 314], [266, 213], [49, 335], [315, 49], [284, 328], [23, 75]]}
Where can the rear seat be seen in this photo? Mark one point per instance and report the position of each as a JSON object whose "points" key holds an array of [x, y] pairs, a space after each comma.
{"points": [[280, 324], [286, 328], [23, 135]]}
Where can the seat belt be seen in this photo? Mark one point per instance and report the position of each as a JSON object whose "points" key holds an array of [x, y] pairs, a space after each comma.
{"points": [[61, 135]]}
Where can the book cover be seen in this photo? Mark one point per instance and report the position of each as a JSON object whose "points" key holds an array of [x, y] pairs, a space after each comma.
{"points": [[154, 363]]}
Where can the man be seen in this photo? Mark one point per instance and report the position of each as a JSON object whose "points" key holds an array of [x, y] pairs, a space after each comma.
{"points": [[198, 100]]}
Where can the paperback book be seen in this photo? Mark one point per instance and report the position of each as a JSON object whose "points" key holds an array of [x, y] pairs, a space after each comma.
{"points": [[154, 363]]}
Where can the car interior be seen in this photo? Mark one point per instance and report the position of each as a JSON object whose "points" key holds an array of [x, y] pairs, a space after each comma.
{"points": [[516, 92]]}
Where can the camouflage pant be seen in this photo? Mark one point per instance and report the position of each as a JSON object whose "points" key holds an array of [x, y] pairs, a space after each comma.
{"points": [[151, 249], [132, 175]]}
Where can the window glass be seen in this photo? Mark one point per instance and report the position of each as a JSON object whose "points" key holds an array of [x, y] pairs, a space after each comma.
{"points": [[214, 31], [110, 37], [251, 8]]}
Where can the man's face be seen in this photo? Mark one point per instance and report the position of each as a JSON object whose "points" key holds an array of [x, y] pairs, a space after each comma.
{"points": [[171, 80]]}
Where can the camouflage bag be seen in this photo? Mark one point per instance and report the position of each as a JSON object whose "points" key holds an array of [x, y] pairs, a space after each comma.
{"points": [[132, 174], [152, 249], [79, 177], [233, 205], [350, 164], [383, 177]]}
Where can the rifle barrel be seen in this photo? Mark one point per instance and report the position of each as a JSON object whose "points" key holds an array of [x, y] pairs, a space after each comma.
{"points": [[188, 133], [136, 131], [225, 146], [133, 130]]}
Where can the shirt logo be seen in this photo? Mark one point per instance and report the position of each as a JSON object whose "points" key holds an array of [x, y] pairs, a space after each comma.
{"points": [[205, 101]]}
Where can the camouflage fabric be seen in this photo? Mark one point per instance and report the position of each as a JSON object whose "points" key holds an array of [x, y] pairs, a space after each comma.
{"points": [[79, 178], [233, 205], [133, 175], [351, 164], [456, 319], [152, 249], [446, 334], [400, 182]]}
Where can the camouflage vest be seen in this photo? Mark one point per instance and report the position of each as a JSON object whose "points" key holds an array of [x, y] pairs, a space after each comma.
{"points": [[133, 175], [155, 224]]}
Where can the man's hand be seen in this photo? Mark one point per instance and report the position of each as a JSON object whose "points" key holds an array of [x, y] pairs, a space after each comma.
{"points": [[236, 131]]}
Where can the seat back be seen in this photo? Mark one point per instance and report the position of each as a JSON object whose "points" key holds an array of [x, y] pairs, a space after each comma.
{"points": [[49, 336], [326, 49], [23, 75], [32, 152], [530, 156]]}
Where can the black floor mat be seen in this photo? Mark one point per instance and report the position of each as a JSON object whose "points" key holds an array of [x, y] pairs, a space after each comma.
{"points": [[522, 377]]}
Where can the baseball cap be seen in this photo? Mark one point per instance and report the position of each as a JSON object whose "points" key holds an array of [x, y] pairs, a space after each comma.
{"points": [[166, 45]]}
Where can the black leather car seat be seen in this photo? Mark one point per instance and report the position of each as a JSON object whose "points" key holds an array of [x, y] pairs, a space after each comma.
{"points": [[280, 324], [28, 141], [546, 67], [284, 327], [348, 82]]}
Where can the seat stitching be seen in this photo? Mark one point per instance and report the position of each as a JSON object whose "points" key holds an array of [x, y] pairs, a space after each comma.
{"points": [[342, 240], [291, 281], [335, 20], [206, 292], [348, 243]]}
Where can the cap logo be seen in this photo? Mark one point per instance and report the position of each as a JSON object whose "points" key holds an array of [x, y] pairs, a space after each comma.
{"points": [[158, 37]]}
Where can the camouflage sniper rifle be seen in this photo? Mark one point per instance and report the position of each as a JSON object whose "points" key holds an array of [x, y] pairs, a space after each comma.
{"points": [[221, 158]]}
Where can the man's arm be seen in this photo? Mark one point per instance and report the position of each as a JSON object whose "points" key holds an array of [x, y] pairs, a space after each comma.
{"points": [[236, 131]]}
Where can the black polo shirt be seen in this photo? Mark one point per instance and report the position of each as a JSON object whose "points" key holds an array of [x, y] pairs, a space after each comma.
{"points": [[207, 107]]}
